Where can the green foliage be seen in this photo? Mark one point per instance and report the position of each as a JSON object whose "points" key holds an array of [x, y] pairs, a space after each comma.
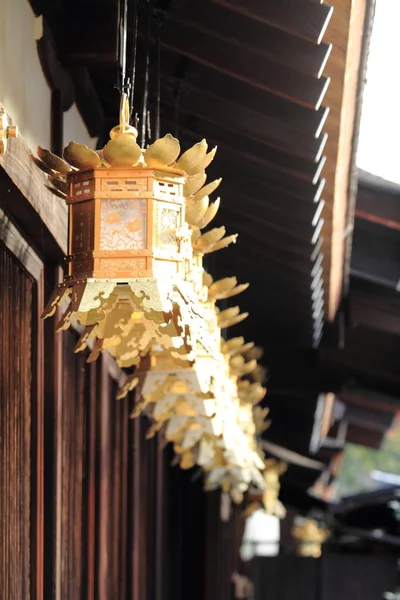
{"points": [[359, 461]]}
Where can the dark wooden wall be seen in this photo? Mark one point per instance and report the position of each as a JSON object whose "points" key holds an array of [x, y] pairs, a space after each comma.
{"points": [[89, 509], [344, 576], [16, 458]]}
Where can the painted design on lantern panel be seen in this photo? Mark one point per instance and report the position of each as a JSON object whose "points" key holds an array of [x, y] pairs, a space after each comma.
{"points": [[116, 265], [123, 224], [167, 224]]}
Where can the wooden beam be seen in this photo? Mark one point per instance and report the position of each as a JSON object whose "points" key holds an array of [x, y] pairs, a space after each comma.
{"points": [[260, 226], [186, 74], [256, 38], [229, 163], [43, 216], [241, 130], [262, 74], [378, 206], [90, 36], [375, 400], [346, 33], [56, 76], [87, 101], [374, 306], [270, 209], [375, 254], [305, 19]]}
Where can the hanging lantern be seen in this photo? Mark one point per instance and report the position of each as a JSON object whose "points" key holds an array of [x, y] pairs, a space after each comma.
{"points": [[310, 536], [136, 283], [130, 247]]}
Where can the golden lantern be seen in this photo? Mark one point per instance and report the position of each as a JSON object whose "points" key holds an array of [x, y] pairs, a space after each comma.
{"points": [[136, 283], [310, 536], [130, 246]]}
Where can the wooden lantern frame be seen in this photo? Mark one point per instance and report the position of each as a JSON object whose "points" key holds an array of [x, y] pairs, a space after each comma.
{"points": [[158, 190]]}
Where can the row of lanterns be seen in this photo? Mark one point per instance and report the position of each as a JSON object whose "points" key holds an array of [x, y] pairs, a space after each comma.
{"points": [[137, 286]]}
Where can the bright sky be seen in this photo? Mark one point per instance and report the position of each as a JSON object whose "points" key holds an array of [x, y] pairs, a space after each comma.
{"points": [[379, 142]]}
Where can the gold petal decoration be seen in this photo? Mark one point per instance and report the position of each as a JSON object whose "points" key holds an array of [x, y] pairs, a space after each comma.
{"points": [[196, 233], [230, 239], [56, 192], [163, 152], [235, 291], [259, 416], [60, 184], [127, 387], [228, 313], [42, 166], [53, 161], [243, 349], [193, 157], [122, 152], [260, 374], [211, 237], [256, 353], [207, 189], [233, 320], [207, 160], [195, 211], [232, 344], [210, 213], [221, 286], [194, 183], [207, 279], [81, 157], [257, 395], [249, 367]]}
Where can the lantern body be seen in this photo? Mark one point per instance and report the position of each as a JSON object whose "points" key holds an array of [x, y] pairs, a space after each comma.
{"points": [[127, 223]]}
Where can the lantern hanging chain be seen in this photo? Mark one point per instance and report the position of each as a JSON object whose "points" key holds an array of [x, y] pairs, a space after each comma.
{"points": [[158, 77], [122, 84], [127, 50], [133, 56], [146, 74]]}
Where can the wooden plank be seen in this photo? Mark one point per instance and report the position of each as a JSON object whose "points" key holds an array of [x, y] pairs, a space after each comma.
{"points": [[17, 245], [348, 32], [255, 37], [95, 34], [378, 206], [375, 400], [105, 491], [274, 206], [19, 510], [247, 256], [265, 74], [47, 209], [229, 162], [375, 254], [241, 219], [184, 74], [305, 19], [374, 307], [248, 142], [87, 101]]}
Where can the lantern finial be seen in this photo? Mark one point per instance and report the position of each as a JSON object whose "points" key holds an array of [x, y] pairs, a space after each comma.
{"points": [[124, 127]]}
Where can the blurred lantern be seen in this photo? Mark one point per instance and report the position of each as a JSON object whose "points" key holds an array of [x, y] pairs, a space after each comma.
{"points": [[310, 535], [261, 535]]}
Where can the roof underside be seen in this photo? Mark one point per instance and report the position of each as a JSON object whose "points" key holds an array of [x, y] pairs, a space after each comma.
{"points": [[274, 86]]}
